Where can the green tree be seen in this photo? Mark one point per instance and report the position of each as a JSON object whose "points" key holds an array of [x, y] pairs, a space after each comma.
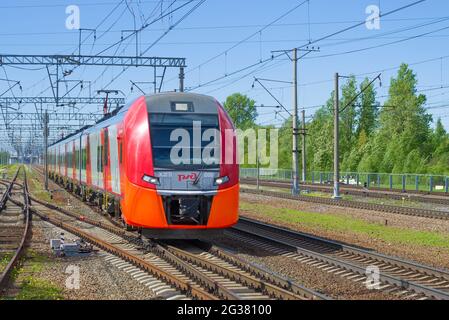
{"points": [[347, 119], [397, 139], [368, 112], [319, 137], [404, 126], [242, 110]]}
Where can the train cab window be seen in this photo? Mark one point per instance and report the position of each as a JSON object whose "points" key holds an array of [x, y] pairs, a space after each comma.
{"points": [[162, 125]]}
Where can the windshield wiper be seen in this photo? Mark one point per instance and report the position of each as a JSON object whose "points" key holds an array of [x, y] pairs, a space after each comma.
{"points": [[202, 168]]}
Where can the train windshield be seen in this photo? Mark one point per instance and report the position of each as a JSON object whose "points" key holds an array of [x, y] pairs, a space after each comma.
{"points": [[187, 141]]}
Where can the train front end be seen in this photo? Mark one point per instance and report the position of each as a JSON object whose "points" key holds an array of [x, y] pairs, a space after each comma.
{"points": [[188, 172]]}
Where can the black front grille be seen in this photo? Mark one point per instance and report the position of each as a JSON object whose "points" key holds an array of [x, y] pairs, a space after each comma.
{"points": [[187, 210]]}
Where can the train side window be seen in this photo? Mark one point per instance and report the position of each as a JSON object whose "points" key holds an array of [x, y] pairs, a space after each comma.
{"points": [[77, 159], [84, 158], [100, 158]]}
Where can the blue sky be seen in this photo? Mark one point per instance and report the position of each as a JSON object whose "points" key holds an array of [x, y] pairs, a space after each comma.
{"points": [[31, 27]]}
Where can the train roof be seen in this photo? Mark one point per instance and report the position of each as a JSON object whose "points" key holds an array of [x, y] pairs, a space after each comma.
{"points": [[193, 102], [203, 104]]}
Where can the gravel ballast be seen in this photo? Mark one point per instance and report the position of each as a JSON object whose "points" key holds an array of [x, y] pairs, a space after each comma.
{"points": [[434, 256]]}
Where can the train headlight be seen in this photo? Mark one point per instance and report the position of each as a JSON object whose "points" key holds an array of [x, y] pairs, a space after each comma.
{"points": [[221, 180], [150, 179]]}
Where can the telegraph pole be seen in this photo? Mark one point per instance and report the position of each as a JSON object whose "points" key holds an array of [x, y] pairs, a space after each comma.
{"points": [[336, 139], [46, 148], [304, 169]]}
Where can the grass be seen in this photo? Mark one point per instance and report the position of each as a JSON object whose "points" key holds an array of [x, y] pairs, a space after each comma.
{"points": [[346, 224], [11, 170], [38, 289], [36, 186], [30, 286], [4, 260]]}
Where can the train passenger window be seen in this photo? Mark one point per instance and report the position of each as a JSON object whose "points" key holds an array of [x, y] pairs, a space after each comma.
{"points": [[83, 159], [77, 159], [100, 158]]}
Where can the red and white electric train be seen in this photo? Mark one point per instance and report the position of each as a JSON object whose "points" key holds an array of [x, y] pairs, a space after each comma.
{"points": [[124, 163]]}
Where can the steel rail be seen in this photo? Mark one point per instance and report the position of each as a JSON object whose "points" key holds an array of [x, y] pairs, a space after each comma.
{"points": [[180, 284], [4, 276], [8, 190], [178, 261], [439, 273], [409, 211], [256, 230], [267, 275], [206, 281], [250, 281], [375, 192]]}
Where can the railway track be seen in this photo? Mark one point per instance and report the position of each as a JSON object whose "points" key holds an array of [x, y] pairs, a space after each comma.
{"points": [[429, 197], [405, 279], [187, 271], [409, 211], [14, 229]]}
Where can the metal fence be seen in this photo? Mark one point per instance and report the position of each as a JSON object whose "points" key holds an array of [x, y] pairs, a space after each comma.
{"points": [[404, 182]]}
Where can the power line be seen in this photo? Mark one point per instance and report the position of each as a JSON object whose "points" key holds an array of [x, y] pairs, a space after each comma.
{"points": [[161, 37], [362, 23], [303, 46], [247, 38], [380, 45]]}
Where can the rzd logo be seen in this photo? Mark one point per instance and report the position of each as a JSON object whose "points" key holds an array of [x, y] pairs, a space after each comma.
{"points": [[187, 177]]}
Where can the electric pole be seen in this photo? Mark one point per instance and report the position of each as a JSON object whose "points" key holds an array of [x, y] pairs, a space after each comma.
{"points": [[304, 169], [336, 139], [46, 120], [295, 151], [295, 162], [337, 124]]}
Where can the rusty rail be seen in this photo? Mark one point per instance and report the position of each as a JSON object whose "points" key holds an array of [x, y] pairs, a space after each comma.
{"points": [[4, 276]]}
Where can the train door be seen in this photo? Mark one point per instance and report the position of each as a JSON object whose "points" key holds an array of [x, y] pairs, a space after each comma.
{"points": [[96, 159], [93, 145], [61, 161], [75, 160], [83, 160], [58, 160], [105, 157], [64, 146], [69, 161], [121, 156], [114, 160], [88, 162]]}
